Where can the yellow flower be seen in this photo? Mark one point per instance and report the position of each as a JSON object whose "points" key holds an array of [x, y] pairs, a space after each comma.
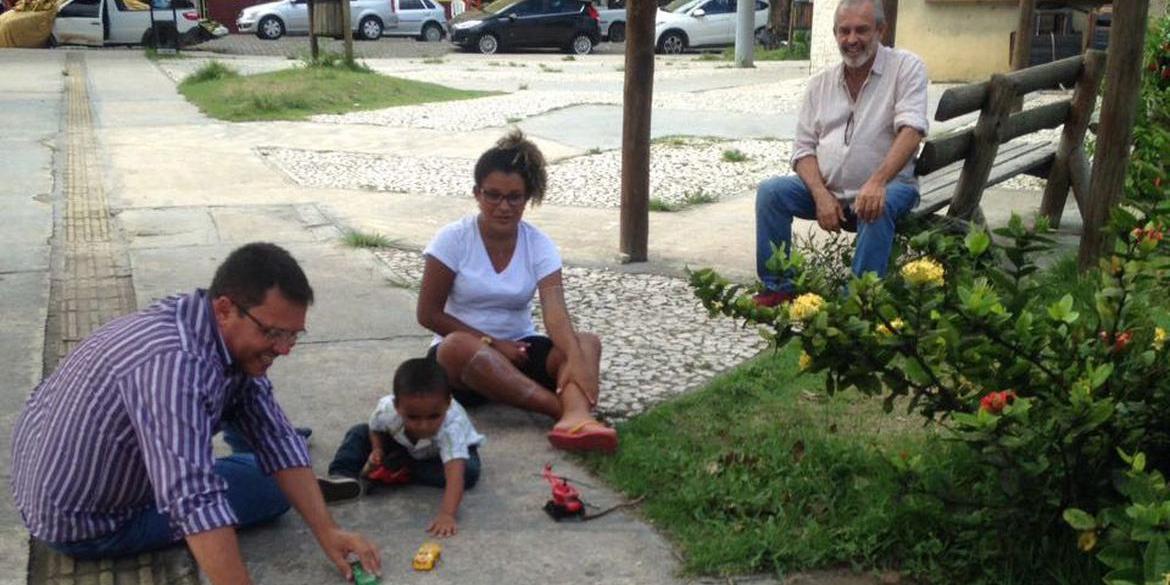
{"points": [[923, 271], [804, 361], [894, 327], [806, 306], [1087, 540], [1159, 338]]}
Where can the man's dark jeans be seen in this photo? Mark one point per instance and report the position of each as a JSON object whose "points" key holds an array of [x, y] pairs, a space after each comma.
{"points": [[254, 497]]}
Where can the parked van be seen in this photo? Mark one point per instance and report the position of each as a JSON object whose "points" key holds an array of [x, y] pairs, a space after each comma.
{"points": [[128, 22]]}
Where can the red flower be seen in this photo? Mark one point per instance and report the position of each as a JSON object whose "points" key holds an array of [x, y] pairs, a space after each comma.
{"points": [[1123, 340], [994, 402], [1157, 182]]}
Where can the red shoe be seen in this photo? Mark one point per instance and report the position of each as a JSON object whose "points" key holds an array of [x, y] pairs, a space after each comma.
{"points": [[772, 298], [384, 476]]}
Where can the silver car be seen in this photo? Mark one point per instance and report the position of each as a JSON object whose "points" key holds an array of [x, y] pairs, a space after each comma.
{"points": [[422, 19], [370, 18]]}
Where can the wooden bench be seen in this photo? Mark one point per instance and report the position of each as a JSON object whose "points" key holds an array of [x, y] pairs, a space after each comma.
{"points": [[955, 167]]}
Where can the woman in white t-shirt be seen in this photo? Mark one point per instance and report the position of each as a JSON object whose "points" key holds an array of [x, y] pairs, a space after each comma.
{"points": [[477, 289]]}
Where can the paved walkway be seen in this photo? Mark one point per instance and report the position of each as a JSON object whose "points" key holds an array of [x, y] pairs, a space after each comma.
{"points": [[167, 193]]}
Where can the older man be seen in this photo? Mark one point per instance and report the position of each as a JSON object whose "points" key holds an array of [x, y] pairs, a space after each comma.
{"points": [[860, 125], [112, 454]]}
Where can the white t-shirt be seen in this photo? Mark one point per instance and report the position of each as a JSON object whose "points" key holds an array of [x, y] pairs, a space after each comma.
{"points": [[500, 304], [455, 435]]}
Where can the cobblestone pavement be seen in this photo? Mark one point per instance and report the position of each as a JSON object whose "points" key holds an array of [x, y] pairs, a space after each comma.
{"points": [[683, 171], [658, 340], [90, 286], [386, 47]]}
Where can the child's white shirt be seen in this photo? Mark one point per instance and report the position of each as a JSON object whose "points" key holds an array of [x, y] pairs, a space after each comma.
{"points": [[455, 435]]}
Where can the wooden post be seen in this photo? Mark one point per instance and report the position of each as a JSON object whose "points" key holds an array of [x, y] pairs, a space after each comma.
{"points": [[314, 51], [1001, 94], [636, 105], [1073, 139], [1127, 37], [347, 30], [1022, 52]]}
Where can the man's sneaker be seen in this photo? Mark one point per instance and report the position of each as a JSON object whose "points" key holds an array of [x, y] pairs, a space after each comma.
{"points": [[772, 298], [336, 488]]}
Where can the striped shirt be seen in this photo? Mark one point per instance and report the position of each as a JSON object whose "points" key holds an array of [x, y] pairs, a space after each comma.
{"points": [[126, 420]]}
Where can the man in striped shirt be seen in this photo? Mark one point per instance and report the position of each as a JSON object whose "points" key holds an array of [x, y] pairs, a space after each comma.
{"points": [[112, 455]]}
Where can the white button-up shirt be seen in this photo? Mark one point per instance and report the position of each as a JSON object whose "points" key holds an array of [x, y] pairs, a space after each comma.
{"points": [[851, 138]]}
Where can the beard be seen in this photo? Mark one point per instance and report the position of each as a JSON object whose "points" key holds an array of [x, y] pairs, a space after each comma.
{"points": [[855, 61]]}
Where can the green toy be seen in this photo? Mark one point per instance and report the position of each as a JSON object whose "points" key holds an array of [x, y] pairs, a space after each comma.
{"points": [[360, 576]]}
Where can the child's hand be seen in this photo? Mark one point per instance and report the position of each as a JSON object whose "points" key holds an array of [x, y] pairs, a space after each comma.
{"points": [[442, 526], [375, 458]]}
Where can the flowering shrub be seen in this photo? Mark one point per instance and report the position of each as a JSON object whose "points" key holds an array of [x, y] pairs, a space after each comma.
{"points": [[1043, 384]]}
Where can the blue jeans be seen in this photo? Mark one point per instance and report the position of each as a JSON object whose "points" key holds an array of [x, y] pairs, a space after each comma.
{"points": [[780, 199], [253, 496], [356, 447]]}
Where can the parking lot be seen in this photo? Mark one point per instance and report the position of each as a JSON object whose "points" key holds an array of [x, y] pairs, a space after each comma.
{"points": [[384, 48]]}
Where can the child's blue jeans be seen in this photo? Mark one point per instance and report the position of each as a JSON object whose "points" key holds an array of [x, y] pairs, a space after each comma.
{"points": [[356, 447], [780, 199], [254, 497]]}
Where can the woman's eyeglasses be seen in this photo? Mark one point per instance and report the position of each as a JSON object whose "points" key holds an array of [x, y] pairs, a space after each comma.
{"points": [[495, 197]]}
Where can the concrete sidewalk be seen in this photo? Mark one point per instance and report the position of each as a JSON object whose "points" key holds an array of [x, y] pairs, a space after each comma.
{"points": [[183, 190]]}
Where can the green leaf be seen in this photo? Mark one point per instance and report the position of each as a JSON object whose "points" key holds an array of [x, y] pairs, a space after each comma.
{"points": [[1079, 519], [1119, 556], [1156, 560], [977, 242]]}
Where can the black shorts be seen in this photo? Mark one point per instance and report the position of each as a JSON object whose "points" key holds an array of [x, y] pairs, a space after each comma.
{"points": [[536, 368]]}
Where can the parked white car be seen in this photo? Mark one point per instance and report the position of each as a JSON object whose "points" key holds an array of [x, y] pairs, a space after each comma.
{"points": [[422, 19], [613, 19], [683, 24], [272, 20], [128, 22]]}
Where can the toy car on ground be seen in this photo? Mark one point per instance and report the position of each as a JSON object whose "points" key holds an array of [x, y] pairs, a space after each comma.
{"points": [[427, 556]]}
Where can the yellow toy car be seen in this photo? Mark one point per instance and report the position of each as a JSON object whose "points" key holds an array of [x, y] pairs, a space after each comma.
{"points": [[427, 556]]}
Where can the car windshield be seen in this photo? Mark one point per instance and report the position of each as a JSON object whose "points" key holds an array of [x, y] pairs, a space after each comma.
{"points": [[678, 5], [500, 5]]}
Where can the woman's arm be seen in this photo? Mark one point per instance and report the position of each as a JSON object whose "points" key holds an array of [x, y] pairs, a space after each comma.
{"points": [[560, 329], [437, 281]]}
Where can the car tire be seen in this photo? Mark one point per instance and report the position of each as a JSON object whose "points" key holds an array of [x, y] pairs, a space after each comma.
{"points": [[370, 28], [488, 44], [431, 33], [581, 45], [270, 28], [672, 43], [617, 32]]}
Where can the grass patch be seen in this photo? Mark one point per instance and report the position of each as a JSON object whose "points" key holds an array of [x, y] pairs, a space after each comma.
{"points": [[659, 204], [356, 239], [513, 120], [709, 57], [522, 87], [594, 150], [734, 155], [296, 94], [433, 61], [762, 472], [698, 197], [568, 58], [673, 140], [547, 69]]}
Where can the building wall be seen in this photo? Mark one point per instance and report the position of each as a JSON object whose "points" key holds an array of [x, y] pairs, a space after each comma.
{"points": [[958, 42]]}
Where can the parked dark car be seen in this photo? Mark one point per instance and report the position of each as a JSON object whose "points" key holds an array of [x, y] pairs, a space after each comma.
{"points": [[573, 25]]}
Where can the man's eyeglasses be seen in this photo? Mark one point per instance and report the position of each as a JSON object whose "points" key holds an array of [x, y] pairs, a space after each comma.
{"points": [[273, 334], [849, 129], [495, 197]]}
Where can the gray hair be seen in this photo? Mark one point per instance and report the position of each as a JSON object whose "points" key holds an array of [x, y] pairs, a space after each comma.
{"points": [[879, 13]]}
